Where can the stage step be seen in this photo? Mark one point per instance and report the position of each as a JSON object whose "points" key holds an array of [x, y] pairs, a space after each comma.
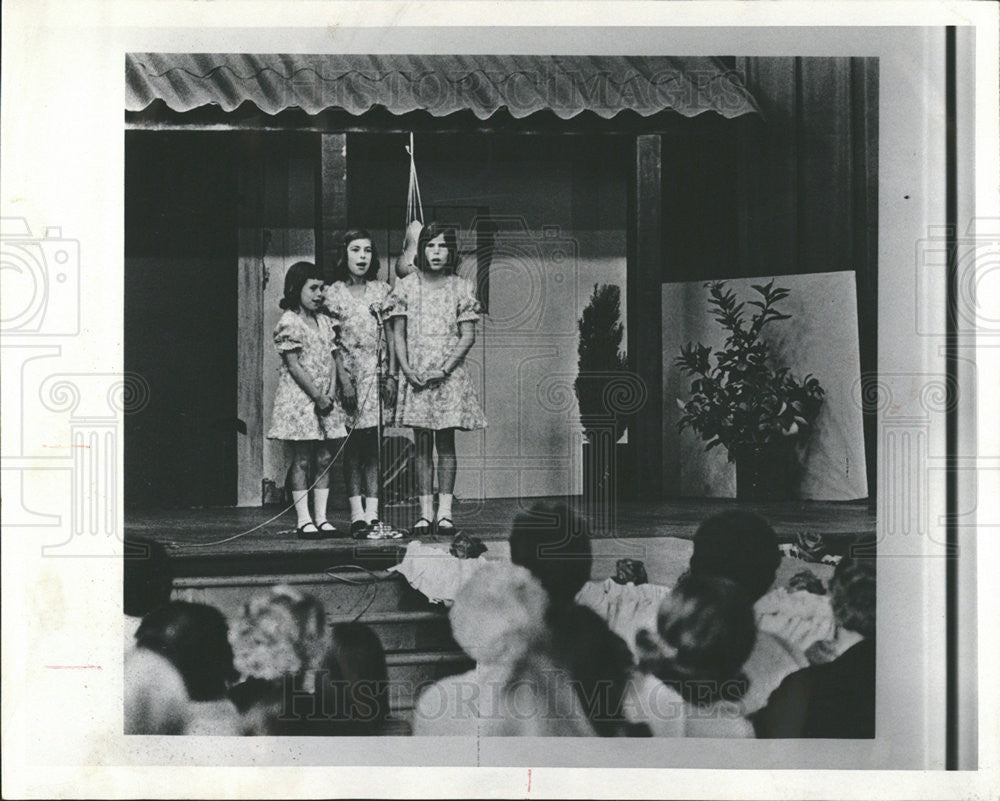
{"points": [[345, 594], [415, 634]]}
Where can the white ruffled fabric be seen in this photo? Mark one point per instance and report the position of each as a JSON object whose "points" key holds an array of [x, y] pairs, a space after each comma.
{"points": [[626, 607], [435, 572], [800, 618]]}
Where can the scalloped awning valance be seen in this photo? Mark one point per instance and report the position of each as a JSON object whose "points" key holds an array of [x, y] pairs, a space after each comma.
{"points": [[439, 85]]}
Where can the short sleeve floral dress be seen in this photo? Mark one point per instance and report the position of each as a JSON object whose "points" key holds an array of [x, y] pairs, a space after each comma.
{"points": [[295, 416], [433, 313], [358, 341]]}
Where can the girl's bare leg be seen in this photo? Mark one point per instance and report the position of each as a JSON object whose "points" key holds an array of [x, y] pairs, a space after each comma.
{"points": [[369, 469], [322, 460], [298, 478], [424, 463], [447, 467], [353, 476]]}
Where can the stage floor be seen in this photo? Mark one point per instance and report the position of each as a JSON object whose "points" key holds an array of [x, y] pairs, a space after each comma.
{"points": [[218, 541]]}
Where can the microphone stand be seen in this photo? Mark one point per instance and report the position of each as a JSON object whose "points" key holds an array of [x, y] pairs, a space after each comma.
{"points": [[382, 530]]}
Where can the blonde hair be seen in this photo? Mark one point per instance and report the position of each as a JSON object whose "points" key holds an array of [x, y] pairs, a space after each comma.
{"points": [[498, 613], [278, 633], [156, 701]]}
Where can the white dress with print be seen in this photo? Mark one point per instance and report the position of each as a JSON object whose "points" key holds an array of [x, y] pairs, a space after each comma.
{"points": [[295, 416], [358, 341], [433, 313]]}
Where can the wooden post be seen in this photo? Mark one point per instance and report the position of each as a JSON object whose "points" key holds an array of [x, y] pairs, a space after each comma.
{"points": [[250, 337], [332, 198], [644, 310]]}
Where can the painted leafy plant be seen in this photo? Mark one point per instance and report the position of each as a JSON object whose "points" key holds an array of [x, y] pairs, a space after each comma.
{"points": [[739, 400], [601, 360]]}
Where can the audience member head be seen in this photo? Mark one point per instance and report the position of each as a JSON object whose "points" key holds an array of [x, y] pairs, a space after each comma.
{"points": [[156, 701], [852, 595], [740, 546], [705, 632], [314, 636], [279, 633], [354, 683], [147, 579], [598, 660], [194, 638], [498, 613], [554, 544]]}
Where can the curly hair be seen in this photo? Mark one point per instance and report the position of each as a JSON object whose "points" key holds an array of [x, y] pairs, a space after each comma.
{"points": [[278, 633], [852, 595], [498, 612], [705, 633]]}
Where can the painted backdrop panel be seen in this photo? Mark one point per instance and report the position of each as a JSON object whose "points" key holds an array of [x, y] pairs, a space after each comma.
{"points": [[821, 338]]}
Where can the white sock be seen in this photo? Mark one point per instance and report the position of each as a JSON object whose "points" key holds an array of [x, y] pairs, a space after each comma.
{"points": [[427, 506], [357, 510], [301, 500], [371, 509], [320, 497], [444, 505]]}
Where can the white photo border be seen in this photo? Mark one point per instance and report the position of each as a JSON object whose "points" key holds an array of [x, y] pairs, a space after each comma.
{"points": [[63, 154]]}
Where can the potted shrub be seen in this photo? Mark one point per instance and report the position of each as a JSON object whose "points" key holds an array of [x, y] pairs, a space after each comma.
{"points": [[760, 413], [600, 363]]}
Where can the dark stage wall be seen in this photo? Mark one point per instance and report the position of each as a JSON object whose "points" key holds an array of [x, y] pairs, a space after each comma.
{"points": [[180, 318]]}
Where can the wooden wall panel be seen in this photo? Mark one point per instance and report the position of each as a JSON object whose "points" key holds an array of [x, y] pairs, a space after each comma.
{"points": [[332, 197], [249, 342], [277, 227], [249, 373]]}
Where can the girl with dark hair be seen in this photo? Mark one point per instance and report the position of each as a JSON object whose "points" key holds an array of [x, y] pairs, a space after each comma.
{"points": [[690, 682], [350, 299], [194, 638], [305, 414], [355, 668], [435, 313]]}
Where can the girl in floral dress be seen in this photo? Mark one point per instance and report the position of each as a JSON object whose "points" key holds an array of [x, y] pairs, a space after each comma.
{"points": [[305, 413], [435, 314], [349, 299]]}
